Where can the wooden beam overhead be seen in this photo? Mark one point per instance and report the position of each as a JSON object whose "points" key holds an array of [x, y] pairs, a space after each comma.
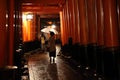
{"points": [[42, 6], [44, 1]]}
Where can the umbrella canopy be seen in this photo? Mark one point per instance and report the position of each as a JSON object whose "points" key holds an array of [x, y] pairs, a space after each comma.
{"points": [[48, 29]]}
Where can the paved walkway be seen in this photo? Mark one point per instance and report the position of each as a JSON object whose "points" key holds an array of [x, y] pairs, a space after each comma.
{"points": [[41, 69]]}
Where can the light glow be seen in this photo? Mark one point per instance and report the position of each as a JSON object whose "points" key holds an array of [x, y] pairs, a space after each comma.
{"points": [[28, 28], [29, 16], [53, 26]]}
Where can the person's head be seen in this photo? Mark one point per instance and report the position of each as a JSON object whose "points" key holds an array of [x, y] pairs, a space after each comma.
{"points": [[52, 33]]}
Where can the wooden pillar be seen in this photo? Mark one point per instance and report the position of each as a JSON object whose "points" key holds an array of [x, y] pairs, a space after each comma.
{"points": [[76, 22], [72, 21], [64, 25], [3, 35], [66, 22], [111, 39], [91, 12], [100, 36], [17, 31], [68, 19], [61, 27], [118, 12], [11, 31], [100, 23], [92, 32], [83, 32], [110, 23], [83, 22]]}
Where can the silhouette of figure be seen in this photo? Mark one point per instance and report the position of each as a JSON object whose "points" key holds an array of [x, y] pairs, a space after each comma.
{"points": [[42, 42], [52, 47]]}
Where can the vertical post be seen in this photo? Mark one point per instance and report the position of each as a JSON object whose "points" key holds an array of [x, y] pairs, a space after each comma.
{"points": [[111, 23], [92, 32], [3, 34], [83, 31], [111, 39], [100, 38], [76, 21], [11, 31]]}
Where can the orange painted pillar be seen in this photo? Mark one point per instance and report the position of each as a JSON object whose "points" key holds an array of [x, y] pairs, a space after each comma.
{"points": [[91, 12], [100, 23], [118, 12], [76, 21], [66, 23], [100, 36], [72, 21], [11, 31], [64, 28], [3, 35], [83, 32], [83, 22], [111, 39], [92, 33], [110, 23], [61, 27], [70, 18]]}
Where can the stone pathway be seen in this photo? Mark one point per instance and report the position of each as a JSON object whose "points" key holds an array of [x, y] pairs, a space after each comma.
{"points": [[41, 69]]}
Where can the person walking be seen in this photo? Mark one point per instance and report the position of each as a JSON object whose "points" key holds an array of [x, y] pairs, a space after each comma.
{"points": [[42, 42], [52, 47]]}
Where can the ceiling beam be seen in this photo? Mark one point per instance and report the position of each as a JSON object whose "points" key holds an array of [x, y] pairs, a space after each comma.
{"points": [[44, 1], [41, 10]]}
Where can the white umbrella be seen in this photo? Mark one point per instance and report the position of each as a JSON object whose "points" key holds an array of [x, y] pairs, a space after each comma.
{"points": [[48, 29], [53, 30], [45, 30]]}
